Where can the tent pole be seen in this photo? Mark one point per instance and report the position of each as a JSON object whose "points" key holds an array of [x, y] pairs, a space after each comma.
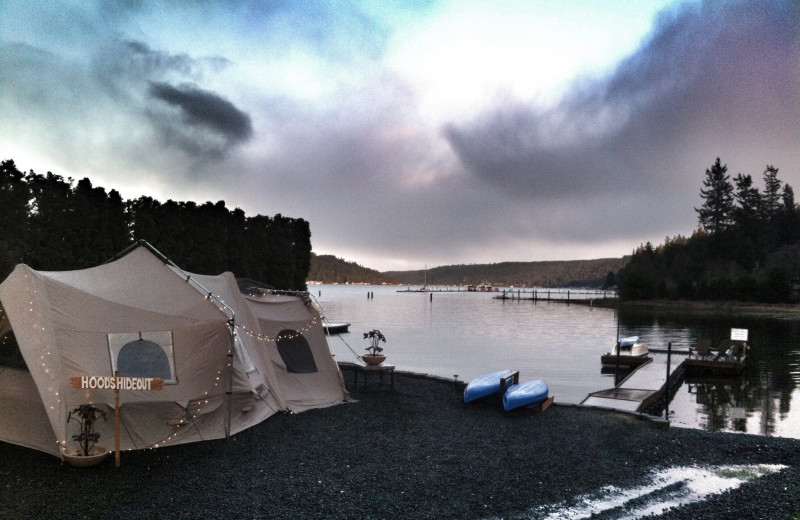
{"points": [[232, 331]]}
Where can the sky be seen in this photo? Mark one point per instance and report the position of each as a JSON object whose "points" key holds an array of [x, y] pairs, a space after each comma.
{"points": [[411, 133]]}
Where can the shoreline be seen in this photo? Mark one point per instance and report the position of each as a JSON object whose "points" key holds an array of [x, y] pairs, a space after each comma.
{"points": [[417, 452], [782, 311]]}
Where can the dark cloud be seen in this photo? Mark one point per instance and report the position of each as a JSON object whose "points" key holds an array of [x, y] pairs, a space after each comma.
{"points": [[713, 77], [210, 123]]}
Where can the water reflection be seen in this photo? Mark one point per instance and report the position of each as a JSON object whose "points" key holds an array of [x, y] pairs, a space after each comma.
{"points": [[761, 400], [471, 334]]}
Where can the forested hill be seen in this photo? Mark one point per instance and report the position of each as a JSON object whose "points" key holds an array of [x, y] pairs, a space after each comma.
{"points": [[330, 269], [587, 273]]}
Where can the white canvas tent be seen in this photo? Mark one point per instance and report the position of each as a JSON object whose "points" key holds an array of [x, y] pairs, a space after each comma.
{"points": [[141, 315], [284, 338]]}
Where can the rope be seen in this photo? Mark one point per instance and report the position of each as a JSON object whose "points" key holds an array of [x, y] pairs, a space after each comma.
{"points": [[358, 356], [325, 320]]}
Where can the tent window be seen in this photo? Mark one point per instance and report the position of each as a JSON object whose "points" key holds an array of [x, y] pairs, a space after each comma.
{"points": [[145, 354], [295, 352]]}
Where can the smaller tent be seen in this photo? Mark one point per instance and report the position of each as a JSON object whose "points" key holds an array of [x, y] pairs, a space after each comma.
{"points": [[142, 316], [282, 339], [290, 329]]}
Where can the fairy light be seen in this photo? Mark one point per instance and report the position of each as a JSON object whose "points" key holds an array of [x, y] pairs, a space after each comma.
{"points": [[263, 337], [191, 415]]}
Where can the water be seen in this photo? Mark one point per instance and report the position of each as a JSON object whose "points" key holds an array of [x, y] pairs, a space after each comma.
{"points": [[665, 489], [463, 335]]}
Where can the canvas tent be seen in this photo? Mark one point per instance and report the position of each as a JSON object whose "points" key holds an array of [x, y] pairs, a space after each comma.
{"points": [[283, 333], [142, 316]]}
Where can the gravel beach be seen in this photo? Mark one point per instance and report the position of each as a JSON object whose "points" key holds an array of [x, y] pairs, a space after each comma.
{"points": [[415, 452]]}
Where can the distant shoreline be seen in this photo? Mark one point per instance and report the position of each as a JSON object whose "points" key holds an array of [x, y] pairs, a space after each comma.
{"points": [[785, 311]]}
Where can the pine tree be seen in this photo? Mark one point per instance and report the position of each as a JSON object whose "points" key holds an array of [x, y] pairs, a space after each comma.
{"points": [[771, 200], [14, 196], [716, 214]]}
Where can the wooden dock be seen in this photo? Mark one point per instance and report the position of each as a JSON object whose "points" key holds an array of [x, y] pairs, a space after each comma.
{"points": [[336, 328], [648, 388], [545, 295]]}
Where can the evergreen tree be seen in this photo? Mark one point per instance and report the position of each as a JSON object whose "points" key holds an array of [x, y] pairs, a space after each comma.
{"points": [[14, 196], [51, 240], [748, 199], [771, 200], [788, 222], [748, 221], [716, 213]]}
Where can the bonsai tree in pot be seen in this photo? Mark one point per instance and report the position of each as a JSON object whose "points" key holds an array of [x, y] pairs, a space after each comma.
{"points": [[374, 357], [86, 415]]}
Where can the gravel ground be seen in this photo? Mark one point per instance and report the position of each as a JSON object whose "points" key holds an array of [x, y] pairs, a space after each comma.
{"points": [[416, 452]]}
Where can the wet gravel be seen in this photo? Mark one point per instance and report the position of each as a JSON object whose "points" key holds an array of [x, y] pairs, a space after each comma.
{"points": [[415, 452]]}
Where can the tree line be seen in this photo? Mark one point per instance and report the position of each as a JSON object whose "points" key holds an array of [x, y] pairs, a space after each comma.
{"points": [[562, 273], [55, 224], [747, 246], [330, 269]]}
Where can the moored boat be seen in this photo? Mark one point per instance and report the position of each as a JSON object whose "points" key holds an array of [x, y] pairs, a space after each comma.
{"points": [[632, 352], [528, 393], [484, 385], [630, 346]]}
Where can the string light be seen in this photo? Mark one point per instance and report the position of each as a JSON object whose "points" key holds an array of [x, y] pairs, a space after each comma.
{"points": [[263, 337], [193, 415]]}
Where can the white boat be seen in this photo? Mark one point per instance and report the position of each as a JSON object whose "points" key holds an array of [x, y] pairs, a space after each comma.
{"points": [[630, 346], [632, 352]]}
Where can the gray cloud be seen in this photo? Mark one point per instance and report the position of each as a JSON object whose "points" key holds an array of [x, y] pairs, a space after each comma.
{"points": [[206, 110], [712, 78], [617, 161]]}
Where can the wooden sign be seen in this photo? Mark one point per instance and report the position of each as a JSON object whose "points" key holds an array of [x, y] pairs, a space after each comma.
{"points": [[117, 382]]}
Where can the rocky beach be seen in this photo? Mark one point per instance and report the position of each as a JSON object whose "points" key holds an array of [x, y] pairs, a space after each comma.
{"points": [[413, 452]]}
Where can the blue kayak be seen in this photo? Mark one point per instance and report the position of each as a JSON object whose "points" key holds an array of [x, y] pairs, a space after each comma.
{"points": [[529, 393], [484, 386]]}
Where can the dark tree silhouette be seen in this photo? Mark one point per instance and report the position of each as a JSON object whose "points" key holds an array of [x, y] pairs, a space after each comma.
{"points": [[52, 223], [716, 213]]}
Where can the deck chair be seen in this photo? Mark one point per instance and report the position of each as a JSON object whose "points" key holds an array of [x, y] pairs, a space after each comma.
{"points": [[725, 350], [703, 349]]}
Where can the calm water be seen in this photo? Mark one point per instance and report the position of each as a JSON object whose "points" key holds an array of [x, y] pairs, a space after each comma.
{"points": [[460, 334]]}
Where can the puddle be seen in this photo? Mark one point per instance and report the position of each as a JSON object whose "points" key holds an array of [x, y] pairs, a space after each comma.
{"points": [[665, 489]]}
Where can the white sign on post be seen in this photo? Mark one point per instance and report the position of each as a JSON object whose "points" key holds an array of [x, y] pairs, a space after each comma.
{"points": [[116, 383], [739, 334]]}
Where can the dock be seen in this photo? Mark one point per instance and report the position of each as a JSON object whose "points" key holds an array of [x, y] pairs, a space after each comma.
{"points": [[336, 328], [648, 388], [557, 296]]}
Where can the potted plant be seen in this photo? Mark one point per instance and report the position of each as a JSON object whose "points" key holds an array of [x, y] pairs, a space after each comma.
{"points": [[87, 452], [374, 357]]}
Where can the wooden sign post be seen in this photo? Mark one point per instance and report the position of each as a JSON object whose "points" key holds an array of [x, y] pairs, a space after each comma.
{"points": [[116, 383]]}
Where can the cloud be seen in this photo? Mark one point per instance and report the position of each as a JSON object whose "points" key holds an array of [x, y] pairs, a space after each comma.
{"points": [[212, 119], [329, 114], [711, 78]]}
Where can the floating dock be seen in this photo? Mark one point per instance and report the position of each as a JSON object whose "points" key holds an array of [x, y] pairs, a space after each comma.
{"points": [[336, 328], [648, 388]]}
